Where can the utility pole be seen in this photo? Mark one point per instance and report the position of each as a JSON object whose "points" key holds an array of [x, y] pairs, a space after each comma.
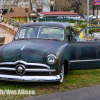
{"points": [[87, 15], [97, 11]]}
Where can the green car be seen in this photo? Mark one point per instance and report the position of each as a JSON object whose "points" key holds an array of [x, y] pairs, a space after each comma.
{"points": [[45, 51]]}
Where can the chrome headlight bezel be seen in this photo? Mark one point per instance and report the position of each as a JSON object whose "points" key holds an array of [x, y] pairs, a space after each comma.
{"points": [[53, 57]]}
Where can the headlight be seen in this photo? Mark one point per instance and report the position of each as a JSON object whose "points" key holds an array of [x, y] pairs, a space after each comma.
{"points": [[51, 59]]}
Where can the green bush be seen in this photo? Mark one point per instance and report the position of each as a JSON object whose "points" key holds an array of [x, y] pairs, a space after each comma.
{"points": [[83, 25], [93, 22], [76, 30], [94, 30]]}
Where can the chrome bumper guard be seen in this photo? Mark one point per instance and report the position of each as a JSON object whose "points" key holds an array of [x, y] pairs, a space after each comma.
{"points": [[30, 78]]}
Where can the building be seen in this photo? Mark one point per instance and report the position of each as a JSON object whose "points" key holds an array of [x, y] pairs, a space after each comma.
{"points": [[58, 16], [19, 14], [63, 13]]}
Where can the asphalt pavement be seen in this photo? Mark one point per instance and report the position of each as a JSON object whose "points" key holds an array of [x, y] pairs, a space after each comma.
{"points": [[88, 93]]}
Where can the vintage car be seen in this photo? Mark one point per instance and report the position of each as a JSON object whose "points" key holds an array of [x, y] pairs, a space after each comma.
{"points": [[45, 51]]}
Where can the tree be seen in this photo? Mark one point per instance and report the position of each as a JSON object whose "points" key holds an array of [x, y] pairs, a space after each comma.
{"points": [[32, 3], [83, 9], [7, 4], [51, 7], [92, 6], [62, 5], [39, 3], [80, 6]]}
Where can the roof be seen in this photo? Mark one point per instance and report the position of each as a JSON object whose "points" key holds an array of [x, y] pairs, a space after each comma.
{"points": [[59, 13], [19, 12], [51, 24]]}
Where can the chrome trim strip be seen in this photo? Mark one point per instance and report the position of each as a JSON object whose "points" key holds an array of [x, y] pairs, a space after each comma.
{"points": [[52, 55], [28, 70], [25, 63], [73, 61], [40, 70], [30, 78], [25, 45], [7, 69]]}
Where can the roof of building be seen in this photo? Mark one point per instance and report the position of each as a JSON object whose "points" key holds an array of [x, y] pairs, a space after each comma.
{"points": [[20, 12], [59, 13]]}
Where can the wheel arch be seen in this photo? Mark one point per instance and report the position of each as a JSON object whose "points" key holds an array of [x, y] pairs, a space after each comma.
{"points": [[66, 67]]}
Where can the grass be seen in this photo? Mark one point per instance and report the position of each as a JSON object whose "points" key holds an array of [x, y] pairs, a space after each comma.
{"points": [[74, 80]]}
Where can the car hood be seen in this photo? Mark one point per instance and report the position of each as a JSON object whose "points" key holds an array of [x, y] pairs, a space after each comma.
{"points": [[32, 50]]}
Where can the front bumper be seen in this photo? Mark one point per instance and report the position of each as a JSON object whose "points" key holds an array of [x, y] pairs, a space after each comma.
{"points": [[30, 78], [10, 72]]}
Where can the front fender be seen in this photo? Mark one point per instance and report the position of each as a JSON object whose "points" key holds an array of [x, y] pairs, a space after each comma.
{"points": [[62, 53]]}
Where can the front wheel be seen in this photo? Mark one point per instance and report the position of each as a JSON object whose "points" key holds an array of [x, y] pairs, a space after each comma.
{"points": [[61, 75]]}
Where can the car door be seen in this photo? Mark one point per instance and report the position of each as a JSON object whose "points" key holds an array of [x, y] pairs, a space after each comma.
{"points": [[84, 51]]}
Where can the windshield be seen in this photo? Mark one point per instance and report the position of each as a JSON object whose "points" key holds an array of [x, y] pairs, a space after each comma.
{"points": [[40, 32]]}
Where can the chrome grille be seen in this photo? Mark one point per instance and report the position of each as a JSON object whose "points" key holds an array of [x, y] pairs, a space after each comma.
{"points": [[32, 69]]}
